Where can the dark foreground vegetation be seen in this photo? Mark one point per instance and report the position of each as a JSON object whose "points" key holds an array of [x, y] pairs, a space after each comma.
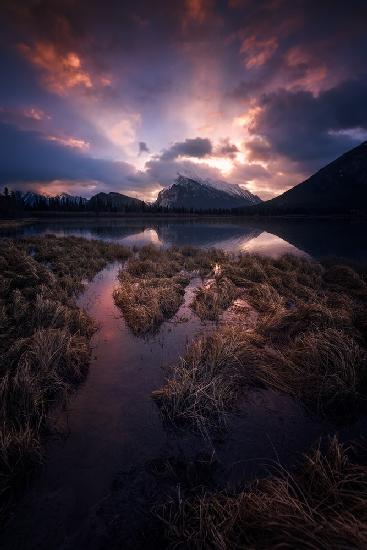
{"points": [[44, 341], [302, 331], [321, 504], [309, 340]]}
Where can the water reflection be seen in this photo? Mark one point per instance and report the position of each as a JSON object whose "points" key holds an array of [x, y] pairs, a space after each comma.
{"points": [[271, 237], [270, 245], [114, 426]]}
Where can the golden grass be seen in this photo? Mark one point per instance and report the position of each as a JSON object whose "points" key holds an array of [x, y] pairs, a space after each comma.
{"points": [[203, 387], [214, 297], [146, 303], [152, 284]]}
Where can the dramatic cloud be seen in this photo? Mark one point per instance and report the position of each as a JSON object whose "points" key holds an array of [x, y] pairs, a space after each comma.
{"points": [[197, 148], [164, 172], [226, 149], [143, 148], [258, 51], [31, 157], [257, 92], [307, 128], [61, 71]]}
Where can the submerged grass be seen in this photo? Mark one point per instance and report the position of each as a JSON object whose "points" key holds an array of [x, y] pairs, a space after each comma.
{"points": [[44, 341], [204, 385], [322, 504], [309, 341]]}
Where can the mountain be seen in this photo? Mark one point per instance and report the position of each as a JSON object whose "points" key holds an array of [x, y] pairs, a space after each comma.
{"points": [[32, 200], [66, 199], [339, 187], [114, 201], [204, 194]]}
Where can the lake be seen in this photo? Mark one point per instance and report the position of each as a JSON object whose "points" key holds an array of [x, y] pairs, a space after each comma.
{"points": [[272, 237]]}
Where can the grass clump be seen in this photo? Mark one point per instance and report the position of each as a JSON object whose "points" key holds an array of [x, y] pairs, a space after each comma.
{"points": [[331, 368], [323, 504], [214, 297], [204, 385], [44, 342], [148, 302], [309, 341], [152, 284]]}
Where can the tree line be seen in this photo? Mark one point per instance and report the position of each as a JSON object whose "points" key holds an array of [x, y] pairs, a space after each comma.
{"points": [[12, 203]]}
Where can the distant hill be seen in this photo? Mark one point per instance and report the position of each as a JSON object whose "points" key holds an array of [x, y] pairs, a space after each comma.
{"points": [[339, 187], [114, 202], [199, 194], [16, 201], [64, 199]]}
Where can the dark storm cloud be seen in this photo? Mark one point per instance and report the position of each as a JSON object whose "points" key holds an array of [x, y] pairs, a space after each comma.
{"points": [[197, 148], [259, 149], [29, 156], [226, 149], [308, 128], [143, 148]]}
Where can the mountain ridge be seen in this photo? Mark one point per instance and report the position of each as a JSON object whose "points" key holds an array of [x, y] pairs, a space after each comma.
{"points": [[114, 200], [202, 194], [338, 187]]}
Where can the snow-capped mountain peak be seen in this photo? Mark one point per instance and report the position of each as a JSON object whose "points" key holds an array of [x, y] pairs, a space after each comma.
{"points": [[195, 192]]}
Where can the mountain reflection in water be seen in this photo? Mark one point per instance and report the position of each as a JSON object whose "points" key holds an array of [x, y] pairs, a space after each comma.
{"points": [[271, 237]]}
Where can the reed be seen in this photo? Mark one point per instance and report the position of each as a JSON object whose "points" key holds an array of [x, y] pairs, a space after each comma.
{"points": [[322, 504]]}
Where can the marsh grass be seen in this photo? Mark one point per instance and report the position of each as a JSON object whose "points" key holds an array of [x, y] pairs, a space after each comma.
{"points": [[212, 298], [322, 504], [44, 341], [152, 284], [309, 341], [148, 302], [204, 385]]}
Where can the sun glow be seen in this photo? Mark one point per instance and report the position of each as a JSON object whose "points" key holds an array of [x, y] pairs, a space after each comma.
{"points": [[225, 165]]}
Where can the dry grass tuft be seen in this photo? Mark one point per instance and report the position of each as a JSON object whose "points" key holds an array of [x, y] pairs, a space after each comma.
{"points": [[203, 386], [310, 340], [214, 297], [281, 325], [146, 303], [153, 282], [322, 505], [331, 369]]}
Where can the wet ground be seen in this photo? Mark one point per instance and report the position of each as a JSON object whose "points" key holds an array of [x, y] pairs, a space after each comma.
{"points": [[93, 489]]}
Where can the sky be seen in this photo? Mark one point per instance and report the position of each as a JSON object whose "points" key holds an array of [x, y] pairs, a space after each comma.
{"points": [[124, 95]]}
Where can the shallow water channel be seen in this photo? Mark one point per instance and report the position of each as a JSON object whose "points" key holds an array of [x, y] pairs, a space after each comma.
{"points": [[112, 425]]}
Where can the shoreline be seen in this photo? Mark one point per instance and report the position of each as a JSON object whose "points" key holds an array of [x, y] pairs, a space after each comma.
{"points": [[59, 215]]}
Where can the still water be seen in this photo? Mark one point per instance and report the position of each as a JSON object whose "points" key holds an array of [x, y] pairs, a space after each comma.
{"points": [[317, 238], [112, 429]]}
